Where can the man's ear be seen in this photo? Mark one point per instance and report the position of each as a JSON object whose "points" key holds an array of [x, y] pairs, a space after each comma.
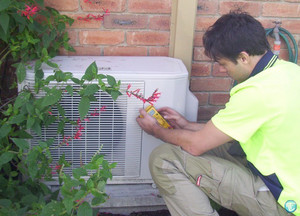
{"points": [[244, 57]]}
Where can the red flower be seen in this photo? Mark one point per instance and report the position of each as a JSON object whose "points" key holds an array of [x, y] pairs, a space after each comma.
{"points": [[29, 11], [58, 167], [136, 93], [103, 108]]}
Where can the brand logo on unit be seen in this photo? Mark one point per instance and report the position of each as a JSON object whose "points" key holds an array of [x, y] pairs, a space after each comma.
{"points": [[290, 206]]}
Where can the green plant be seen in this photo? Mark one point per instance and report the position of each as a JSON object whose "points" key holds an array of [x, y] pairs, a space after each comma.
{"points": [[29, 31], [18, 160]]}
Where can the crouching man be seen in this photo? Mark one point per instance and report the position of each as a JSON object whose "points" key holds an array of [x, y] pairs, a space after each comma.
{"points": [[263, 115]]}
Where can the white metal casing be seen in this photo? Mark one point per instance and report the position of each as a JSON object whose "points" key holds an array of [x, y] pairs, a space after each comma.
{"points": [[166, 74]]}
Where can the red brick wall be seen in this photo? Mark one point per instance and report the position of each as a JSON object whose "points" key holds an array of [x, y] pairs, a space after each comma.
{"points": [[133, 27], [210, 86], [142, 27]]}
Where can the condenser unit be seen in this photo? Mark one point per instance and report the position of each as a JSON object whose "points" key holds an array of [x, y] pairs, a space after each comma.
{"points": [[116, 128]]}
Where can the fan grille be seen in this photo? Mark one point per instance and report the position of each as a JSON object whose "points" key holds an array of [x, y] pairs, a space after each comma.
{"points": [[115, 129]]}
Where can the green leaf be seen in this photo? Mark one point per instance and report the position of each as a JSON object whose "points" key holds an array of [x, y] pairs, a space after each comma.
{"points": [[50, 78], [4, 22], [69, 89], [44, 52], [37, 65], [4, 4], [78, 172], [40, 2], [75, 80], [4, 130], [85, 210], [46, 40], [60, 128], [90, 184], [37, 128], [91, 89], [60, 76], [17, 119], [29, 199], [61, 110], [21, 72], [52, 64], [21, 99], [39, 74], [5, 203], [32, 163], [22, 134], [30, 122], [21, 143], [91, 72], [46, 144], [84, 106], [115, 94], [98, 200], [53, 208], [101, 186], [68, 203], [79, 195], [3, 36], [52, 97], [30, 108], [111, 80], [5, 158]]}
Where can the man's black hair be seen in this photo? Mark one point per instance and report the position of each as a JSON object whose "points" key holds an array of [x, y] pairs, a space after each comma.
{"points": [[233, 33]]}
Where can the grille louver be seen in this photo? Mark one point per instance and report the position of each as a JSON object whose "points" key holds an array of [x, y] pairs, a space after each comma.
{"points": [[115, 129]]}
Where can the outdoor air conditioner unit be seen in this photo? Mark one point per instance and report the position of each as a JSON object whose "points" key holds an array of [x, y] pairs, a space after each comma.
{"points": [[116, 129]]}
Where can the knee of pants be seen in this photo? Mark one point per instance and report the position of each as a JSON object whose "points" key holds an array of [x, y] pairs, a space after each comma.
{"points": [[162, 162]]}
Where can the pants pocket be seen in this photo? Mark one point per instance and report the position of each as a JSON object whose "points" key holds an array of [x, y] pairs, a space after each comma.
{"points": [[212, 177]]}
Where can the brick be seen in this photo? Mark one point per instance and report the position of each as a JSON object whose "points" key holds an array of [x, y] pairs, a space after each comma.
{"points": [[284, 54], [280, 9], [218, 98], [201, 69], [160, 23], [73, 35], [205, 113], [253, 8], [83, 51], [152, 6], [99, 5], [125, 51], [158, 51], [78, 23], [216, 72], [148, 38], [125, 21], [199, 54], [211, 84], [65, 5], [205, 7], [202, 97], [202, 23], [101, 37], [198, 38]]}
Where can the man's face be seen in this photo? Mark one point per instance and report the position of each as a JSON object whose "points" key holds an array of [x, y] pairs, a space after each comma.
{"points": [[237, 71]]}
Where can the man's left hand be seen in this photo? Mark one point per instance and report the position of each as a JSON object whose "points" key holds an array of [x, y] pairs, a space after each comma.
{"points": [[147, 122]]}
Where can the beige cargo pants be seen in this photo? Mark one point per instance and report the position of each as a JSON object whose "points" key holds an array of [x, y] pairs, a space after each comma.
{"points": [[186, 182]]}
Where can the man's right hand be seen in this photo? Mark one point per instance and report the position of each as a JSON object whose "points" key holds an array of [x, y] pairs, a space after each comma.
{"points": [[175, 119]]}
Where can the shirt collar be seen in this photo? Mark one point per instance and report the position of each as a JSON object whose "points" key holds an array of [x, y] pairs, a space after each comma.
{"points": [[265, 62]]}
